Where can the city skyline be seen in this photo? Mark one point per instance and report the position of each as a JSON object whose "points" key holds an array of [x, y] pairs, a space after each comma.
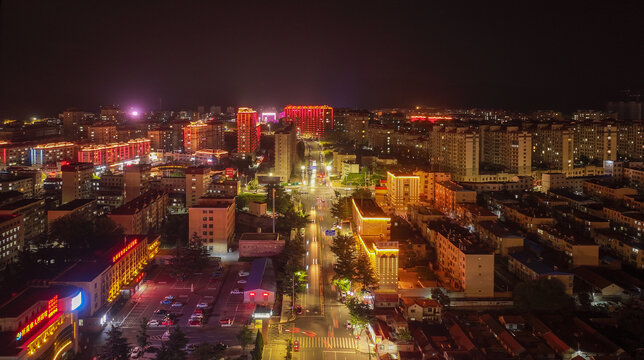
{"points": [[562, 57]]}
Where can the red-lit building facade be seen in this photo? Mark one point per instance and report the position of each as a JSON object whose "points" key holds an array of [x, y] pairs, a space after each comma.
{"points": [[310, 121], [40, 323], [199, 135], [248, 131], [109, 154]]}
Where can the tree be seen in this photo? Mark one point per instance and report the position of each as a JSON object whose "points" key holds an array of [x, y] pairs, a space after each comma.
{"points": [[292, 220], [253, 185], [365, 274], [283, 201], [245, 337], [78, 233], [259, 347], [403, 334], [342, 284], [341, 209], [544, 295], [175, 230], [585, 300], [290, 268], [289, 349], [361, 193], [193, 257], [205, 351], [142, 337], [440, 296], [173, 349], [116, 346], [361, 314], [344, 248]]}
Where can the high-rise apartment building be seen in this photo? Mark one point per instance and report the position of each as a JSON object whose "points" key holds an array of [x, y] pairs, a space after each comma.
{"points": [[111, 113], [164, 139], [552, 147], [428, 181], [630, 140], [310, 121], [201, 135], [402, 190], [357, 125], [102, 133], [456, 150], [77, 181], [136, 178], [285, 153], [248, 131], [11, 238], [507, 149], [373, 234], [213, 220], [594, 141], [197, 182], [72, 118]]}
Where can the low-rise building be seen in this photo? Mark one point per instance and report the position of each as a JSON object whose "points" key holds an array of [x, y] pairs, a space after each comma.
{"points": [[629, 218], [580, 249], [464, 258], [415, 309], [144, 214], [261, 286], [449, 193], [472, 213], [527, 266], [349, 167], [402, 190], [213, 220], [428, 181], [528, 219], [24, 184], [499, 236], [629, 249], [260, 244], [85, 208], [33, 216], [40, 322], [12, 238], [226, 188], [607, 189]]}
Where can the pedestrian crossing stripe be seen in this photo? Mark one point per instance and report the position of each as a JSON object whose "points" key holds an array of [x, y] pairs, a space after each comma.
{"points": [[327, 342]]}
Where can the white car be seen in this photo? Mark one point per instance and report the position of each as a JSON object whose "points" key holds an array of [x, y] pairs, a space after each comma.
{"points": [[165, 336], [242, 281], [136, 352], [243, 273], [153, 323], [236, 291], [177, 305], [202, 305], [196, 316]]}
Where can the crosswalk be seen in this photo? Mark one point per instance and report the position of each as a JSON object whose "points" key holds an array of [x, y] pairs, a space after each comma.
{"points": [[327, 342]]}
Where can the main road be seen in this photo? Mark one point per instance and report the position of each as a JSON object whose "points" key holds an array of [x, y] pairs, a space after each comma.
{"points": [[321, 328]]}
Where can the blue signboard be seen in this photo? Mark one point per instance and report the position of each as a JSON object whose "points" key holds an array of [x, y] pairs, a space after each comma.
{"points": [[329, 233]]}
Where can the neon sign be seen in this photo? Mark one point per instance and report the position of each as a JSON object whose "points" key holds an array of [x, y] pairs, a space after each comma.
{"points": [[432, 119], [52, 309], [124, 251]]}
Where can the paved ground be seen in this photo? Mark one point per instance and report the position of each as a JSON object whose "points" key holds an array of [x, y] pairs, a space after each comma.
{"points": [[190, 292], [320, 330]]}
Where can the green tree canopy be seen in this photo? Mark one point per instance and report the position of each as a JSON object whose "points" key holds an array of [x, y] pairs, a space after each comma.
{"points": [[344, 248], [142, 337], [245, 337], [360, 313], [174, 348], [116, 346], [341, 209], [365, 274]]}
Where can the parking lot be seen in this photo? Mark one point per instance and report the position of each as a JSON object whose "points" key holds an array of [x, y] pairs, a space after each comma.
{"points": [[192, 290]]}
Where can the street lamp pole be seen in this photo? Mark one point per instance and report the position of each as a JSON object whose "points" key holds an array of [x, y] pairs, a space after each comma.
{"points": [[273, 210]]}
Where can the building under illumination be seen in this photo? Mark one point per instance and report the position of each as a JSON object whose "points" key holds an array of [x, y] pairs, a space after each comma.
{"points": [[248, 131], [310, 121], [373, 233], [108, 154], [41, 323], [203, 135], [53, 152], [110, 274], [77, 181], [402, 190]]}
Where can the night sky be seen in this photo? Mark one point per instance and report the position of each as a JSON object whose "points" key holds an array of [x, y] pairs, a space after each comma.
{"points": [[57, 54]]}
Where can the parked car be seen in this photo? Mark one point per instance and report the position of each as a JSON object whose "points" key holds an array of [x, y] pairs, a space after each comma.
{"points": [[221, 346], [167, 322], [169, 297], [237, 291], [202, 305], [177, 305], [165, 336], [196, 316], [198, 311], [190, 348], [226, 322], [166, 302], [136, 352], [153, 323], [296, 345], [194, 322], [160, 312], [242, 273], [241, 281]]}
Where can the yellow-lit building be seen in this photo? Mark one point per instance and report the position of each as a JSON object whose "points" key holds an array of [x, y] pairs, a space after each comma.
{"points": [[373, 233], [428, 181], [53, 152], [402, 190], [115, 272], [449, 193], [40, 323]]}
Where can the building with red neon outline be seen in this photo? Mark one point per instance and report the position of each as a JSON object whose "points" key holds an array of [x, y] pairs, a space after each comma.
{"points": [[310, 120], [248, 131]]}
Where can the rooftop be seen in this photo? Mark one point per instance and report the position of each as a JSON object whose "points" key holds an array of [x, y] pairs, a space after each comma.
{"points": [[607, 183], [498, 229], [534, 263], [24, 300], [570, 236], [21, 203], [262, 275], [452, 186], [467, 242], [74, 204], [369, 209], [137, 203], [260, 236]]}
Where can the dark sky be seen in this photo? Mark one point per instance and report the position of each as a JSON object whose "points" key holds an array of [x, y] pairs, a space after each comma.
{"points": [[58, 53]]}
